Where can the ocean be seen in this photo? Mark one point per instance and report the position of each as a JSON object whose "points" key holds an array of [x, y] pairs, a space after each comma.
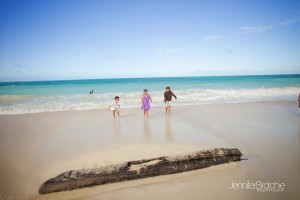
{"points": [[49, 96]]}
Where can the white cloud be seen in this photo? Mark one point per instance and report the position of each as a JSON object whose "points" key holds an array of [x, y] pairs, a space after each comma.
{"points": [[19, 65], [110, 58], [170, 50], [168, 40], [114, 58], [288, 22], [256, 29], [214, 37]]}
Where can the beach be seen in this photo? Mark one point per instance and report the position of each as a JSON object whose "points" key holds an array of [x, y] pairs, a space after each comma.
{"points": [[38, 146], [86, 88]]}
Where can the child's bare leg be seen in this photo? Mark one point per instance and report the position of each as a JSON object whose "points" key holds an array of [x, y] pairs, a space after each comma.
{"points": [[118, 113], [114, 113], [147, 113]]}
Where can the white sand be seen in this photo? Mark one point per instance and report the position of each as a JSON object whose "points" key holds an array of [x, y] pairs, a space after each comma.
{"points": [[36, 147]]}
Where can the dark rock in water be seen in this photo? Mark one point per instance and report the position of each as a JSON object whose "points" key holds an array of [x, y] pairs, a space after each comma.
{"points": [[74, 179]]}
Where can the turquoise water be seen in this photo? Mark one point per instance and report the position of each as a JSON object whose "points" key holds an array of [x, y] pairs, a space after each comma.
{"points": [[67, 87], [45, 96]]}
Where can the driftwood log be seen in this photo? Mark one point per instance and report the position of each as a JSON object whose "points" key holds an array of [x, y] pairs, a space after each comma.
{"points": [[74, 179]]}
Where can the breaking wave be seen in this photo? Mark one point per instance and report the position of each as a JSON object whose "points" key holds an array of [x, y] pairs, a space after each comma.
{"points": [[20, 104]]}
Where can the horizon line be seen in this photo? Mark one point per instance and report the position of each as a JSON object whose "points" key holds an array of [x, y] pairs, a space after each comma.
{"points": [[150, 77]]}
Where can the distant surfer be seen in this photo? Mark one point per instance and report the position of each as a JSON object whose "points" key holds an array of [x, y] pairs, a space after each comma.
{"points": [[91, 92]]}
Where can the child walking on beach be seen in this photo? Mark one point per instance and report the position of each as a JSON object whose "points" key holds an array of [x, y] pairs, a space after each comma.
{"points": [[115, 106], [146, 99], [168, 98]]}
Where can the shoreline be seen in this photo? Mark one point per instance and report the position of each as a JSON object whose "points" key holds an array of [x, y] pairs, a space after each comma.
{"points": [[54, 142], [158, 106]]}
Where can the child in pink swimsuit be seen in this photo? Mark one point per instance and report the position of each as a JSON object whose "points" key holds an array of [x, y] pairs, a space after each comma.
{"points": [[146, 99]]}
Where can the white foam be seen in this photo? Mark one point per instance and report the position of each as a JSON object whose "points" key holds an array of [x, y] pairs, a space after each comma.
{"points": [[34, 104]]}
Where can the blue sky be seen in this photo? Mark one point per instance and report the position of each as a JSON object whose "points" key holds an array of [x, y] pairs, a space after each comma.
{"points": [[77, 39]]}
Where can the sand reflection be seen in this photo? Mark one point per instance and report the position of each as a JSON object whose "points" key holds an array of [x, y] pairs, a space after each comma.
{"points": [[168, 130], [147, 132], [116, 125], [299, 132]]}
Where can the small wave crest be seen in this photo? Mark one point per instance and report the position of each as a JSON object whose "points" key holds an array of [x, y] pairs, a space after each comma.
{"points": [[20, 104]]}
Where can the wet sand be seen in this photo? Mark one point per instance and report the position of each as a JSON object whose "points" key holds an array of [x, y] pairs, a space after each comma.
{"points": [[36, 147]]}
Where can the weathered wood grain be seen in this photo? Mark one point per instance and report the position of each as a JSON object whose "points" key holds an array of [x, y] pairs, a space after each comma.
{"points": [[74, 179]]}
